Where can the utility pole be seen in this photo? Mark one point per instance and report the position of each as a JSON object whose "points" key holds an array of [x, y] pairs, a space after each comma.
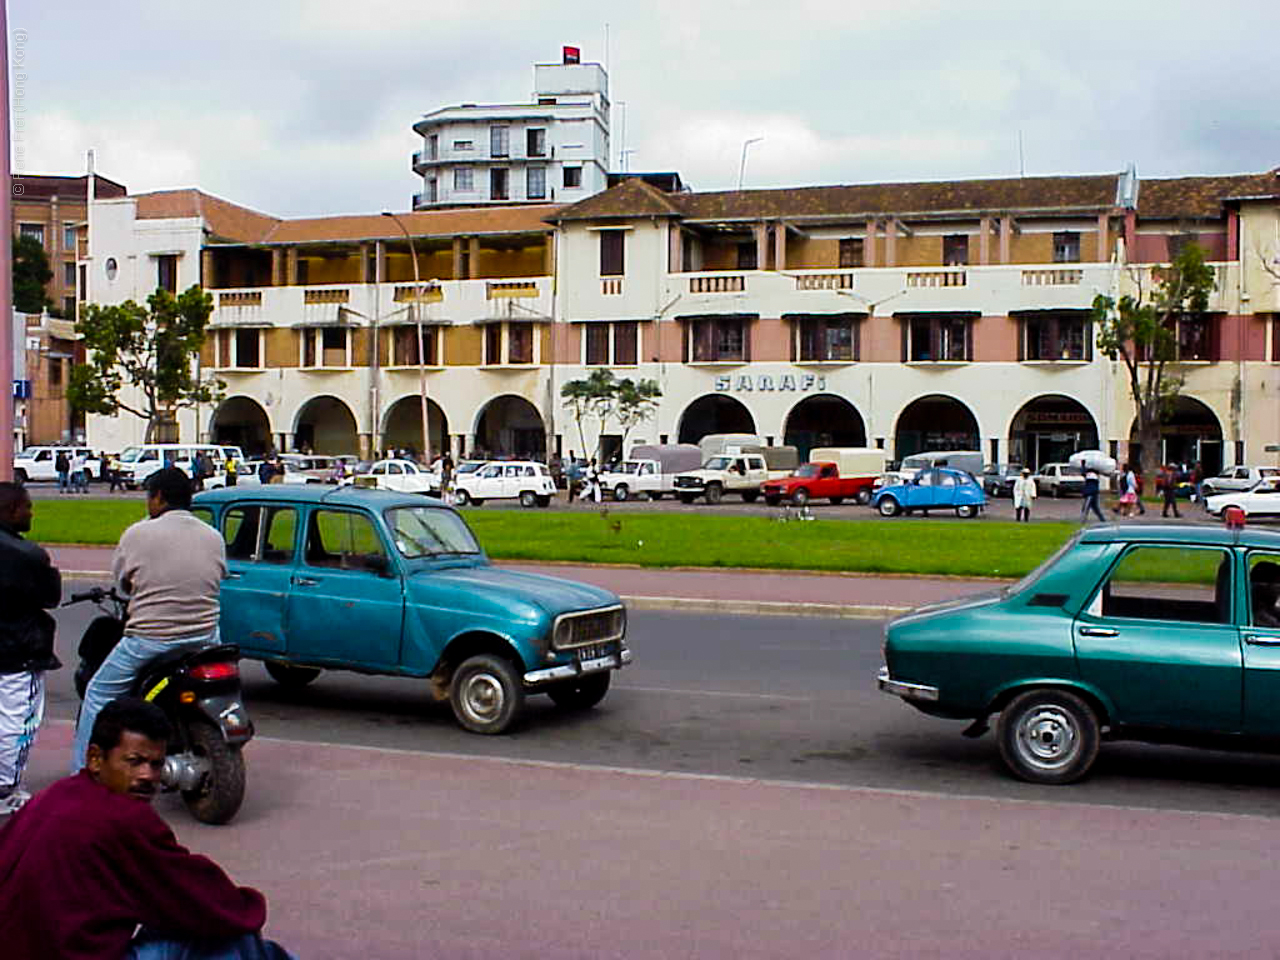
{"points": [[417, 318], [6, 264]]}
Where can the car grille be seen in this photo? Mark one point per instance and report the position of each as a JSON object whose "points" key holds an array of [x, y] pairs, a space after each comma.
{"points": [[688, 482], [590, 626]]}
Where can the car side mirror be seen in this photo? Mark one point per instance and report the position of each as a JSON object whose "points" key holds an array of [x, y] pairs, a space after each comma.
{"points": [[379, 564]]}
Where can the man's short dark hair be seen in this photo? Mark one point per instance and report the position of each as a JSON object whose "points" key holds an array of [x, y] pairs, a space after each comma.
{"points": [[1265, 571], [173, 484], [11, 494], [132, 714]]}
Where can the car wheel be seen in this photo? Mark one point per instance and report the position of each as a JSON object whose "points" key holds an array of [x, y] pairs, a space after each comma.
{"points": [[477, 501], [486, 694], [966, 511], [528, 498], [864, 496], [836, 501], [800, 496], [287, 675], [1057, 492], [749, 496], [19, 476], [655, 494], [544, 500], [620, 493], [772, 501], [461, 498], [685, 498], [1048, 736], [715, 493], [581, 693], [889, 507]]}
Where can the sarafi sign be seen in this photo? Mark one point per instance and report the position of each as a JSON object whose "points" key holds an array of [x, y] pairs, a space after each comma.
{"points": [[768, 383]]}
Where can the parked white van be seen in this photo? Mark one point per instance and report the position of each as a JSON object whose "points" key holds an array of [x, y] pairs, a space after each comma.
{"points": [[37, 463], [140, 462]]}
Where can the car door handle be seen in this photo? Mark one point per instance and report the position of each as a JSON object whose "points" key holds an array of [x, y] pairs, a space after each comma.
{"points": [[1098, 632], [305, 581], [1260, 641], [233, 576]]}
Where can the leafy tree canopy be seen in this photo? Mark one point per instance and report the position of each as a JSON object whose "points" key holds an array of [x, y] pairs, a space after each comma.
{"points": [[30, 274]]}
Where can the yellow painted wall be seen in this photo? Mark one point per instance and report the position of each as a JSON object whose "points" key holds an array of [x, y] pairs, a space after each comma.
{"points": [[359, 347], [1030, 248], [282, 348], [812, 254], [463, 346], [544, 347], [344, 269], [719, 256], [917, 251], [530, 261]]}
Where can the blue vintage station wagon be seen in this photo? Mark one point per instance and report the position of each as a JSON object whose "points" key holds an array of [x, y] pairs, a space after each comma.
{"points": [[390, 583]]}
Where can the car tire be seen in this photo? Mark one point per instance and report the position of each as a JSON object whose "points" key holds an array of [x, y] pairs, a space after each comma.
{"points": [[836, 501], [715, 493], [685, 498], [888, 507], [655, 494], [20, 477], [477, 501], [1057, 492], [544, 500], [528, 499], [749, 496], [580, 693], [289, 676], [966, 511], [621, 493], [772, 501], [1048, 736], [864, 496], [799, 496], [461, 498], [486, 694]]}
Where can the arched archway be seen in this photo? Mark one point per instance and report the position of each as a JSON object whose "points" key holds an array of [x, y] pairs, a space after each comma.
{"points": [[824, 420], [325, 425], [935, 422], [1048, 429], [511, 426], [402, 426], [241, 421], [714, 413], [1190, 432]]}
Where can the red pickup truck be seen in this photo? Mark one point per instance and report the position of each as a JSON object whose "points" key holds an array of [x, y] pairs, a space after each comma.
{"points": [[817, 481]]}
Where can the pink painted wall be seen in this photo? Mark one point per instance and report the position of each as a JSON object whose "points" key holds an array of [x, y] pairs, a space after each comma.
{"points": [[1244, 338], [1151, 248], [995, 339], [568, 347], [770, 339], [881, 340]]}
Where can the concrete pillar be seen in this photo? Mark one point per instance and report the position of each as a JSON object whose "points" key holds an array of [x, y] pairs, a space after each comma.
{"points": [[366, 447], [675, 248], [379, 262], [457, 258], [1006, 238], [984, 241], [207, 279], [869, 244], [549, 255], [891, 243], [366, 264], [291, 266], [468, 444], [473, 257], [780, 246], [277, 266], [1104, 238], [762, 246]]}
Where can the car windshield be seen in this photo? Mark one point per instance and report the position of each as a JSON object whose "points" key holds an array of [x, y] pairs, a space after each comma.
{"points": [[430, 532], [626, 466], [719, 463], [131, 455], [917, 463], [1038, 572], [1071, 470], [808, 470]]}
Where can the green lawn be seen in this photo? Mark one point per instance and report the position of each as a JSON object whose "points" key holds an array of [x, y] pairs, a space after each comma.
{"points": [[986, 548]]}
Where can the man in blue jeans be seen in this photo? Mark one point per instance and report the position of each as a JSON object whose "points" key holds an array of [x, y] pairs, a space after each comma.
{"points": [[171, 566]]}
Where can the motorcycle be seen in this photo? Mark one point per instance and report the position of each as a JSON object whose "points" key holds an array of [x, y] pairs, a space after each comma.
{"points": [[199, 691]]}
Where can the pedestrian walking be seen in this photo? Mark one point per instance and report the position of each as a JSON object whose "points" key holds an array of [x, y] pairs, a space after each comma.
{"points": [[114, 482], [1135, 484], [1197, 481], [1169, 490], [591, 483], [79, 473], [1128, 496], [29, 585], [1024, 492], [1090, 495], [232, 469], [62, 466]]}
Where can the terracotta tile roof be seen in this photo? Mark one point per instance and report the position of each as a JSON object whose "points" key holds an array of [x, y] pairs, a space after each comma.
{"points": [[634, 198], [1201, 197], [225, 220], [423, 223]]}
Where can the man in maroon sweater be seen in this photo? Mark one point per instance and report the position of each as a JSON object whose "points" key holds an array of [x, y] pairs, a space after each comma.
{"points": [[87, 861]]}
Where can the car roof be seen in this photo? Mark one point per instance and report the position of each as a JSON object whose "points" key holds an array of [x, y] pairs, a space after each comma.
{"points": [[314, 493], [1212, 534]]}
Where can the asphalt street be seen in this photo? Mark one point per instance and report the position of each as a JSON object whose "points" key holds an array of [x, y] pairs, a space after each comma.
{"points": [[762, 697]]}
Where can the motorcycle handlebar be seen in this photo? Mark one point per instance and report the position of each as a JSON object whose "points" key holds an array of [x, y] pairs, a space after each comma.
{"points": [[94, 595]]}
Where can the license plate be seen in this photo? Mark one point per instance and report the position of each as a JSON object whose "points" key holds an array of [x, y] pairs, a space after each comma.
{"points": [[595, 650], [598, 663]]}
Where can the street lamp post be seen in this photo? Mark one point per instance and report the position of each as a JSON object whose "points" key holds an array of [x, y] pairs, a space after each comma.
{"points": [[417, 318], [742, 167]]}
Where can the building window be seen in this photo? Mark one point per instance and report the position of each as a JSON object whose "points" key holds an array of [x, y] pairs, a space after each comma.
{"points": [[626, 343], [747, 255], [713, 339], [68, 238], [404, 345], [851, 252], [55, 372], [597, 344], [1196, 338], [498, 183], [1066, 248], [1056, 337], [493, 343], [433, 194], [520, 342], [248, 348], [69, 275], [68, 308], [537, 183], [933, 338], [324, 347], [612, 252], [33, 230], [82, 288], [499, 141], [827, 339], [433, 147], [462, 180], [572, 178], [955, 250], [167, 272], [1275, 338], [536, 142], [463, 145]]}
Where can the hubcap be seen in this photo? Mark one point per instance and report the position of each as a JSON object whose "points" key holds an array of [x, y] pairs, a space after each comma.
{"points": [[1047, 738], [483, 697]]}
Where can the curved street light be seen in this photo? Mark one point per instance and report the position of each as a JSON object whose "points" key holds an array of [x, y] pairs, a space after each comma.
{"points": [[417, 319], [742, 167]]}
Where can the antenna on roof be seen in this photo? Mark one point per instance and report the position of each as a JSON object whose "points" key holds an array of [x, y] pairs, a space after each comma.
{"points": [[1022, 162]]}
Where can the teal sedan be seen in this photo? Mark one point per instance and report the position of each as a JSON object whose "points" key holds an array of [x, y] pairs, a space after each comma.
{"points": [[323, 578], [1145, 632]]}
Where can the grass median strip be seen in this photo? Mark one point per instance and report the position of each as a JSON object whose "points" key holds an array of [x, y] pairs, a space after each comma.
{"points": [[983, 548]]}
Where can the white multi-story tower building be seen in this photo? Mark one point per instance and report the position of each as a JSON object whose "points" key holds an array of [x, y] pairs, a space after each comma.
{"points": [[553, 149]]}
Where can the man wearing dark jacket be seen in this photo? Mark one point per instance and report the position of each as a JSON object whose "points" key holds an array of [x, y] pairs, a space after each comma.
{"points": [[28, 584], [88, 861]]}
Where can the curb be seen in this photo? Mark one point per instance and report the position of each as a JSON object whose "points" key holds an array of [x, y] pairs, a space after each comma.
{"points": [[748, 608]]}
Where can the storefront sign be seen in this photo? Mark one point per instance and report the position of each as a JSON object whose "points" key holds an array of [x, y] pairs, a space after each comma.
{"points": [[767, 383]]}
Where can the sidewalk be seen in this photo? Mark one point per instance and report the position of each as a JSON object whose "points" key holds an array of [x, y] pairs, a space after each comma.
{"points": [[750, 592]]}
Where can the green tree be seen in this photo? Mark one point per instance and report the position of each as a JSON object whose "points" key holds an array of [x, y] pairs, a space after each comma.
{"points": [[144, 349], [1141, 330], [592, 396], [30, 274], [634, 402]]}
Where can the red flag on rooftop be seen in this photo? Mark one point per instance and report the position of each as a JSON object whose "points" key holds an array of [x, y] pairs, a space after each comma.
{"points": [[572, 55]]}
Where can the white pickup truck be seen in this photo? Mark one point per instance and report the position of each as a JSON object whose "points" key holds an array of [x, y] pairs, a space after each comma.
{"points": [[650, 471], [741, 473]]}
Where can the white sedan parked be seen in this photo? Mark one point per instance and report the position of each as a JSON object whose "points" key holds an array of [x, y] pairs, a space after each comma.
{"points": [[403, 476], [1262, 501], [531, 483]]}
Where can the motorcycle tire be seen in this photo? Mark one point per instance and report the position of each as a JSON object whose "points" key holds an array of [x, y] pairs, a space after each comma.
{"points": [[218, 798]]}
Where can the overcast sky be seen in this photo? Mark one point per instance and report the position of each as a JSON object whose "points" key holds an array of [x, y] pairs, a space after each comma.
{"points": [[300, 108]]}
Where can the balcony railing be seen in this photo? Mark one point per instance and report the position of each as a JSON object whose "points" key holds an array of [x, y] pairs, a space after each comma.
{"points": [[1052, 278], [611, 286], [510, 288], [427, 293], [731, 283], [938, 278], [240, 298], [825, 281], [327, 295]]}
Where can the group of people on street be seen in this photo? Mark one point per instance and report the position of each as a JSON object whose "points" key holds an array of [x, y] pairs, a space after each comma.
{"points": [[87, 868], [72, 471]]}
